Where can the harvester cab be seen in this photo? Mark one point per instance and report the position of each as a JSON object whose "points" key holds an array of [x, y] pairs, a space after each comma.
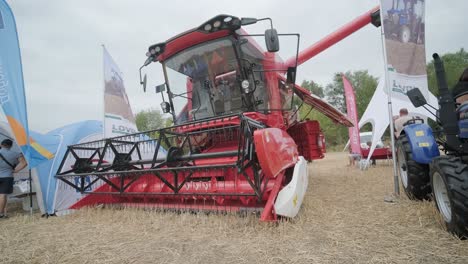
{"points": [[236, 143], [218, 69]]}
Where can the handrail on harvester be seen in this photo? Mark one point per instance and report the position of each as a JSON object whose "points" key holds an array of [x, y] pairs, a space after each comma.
{"points": [[332, 38]]}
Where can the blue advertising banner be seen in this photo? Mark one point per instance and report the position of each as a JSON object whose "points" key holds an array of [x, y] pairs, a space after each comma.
{"points": [[12, 95]]}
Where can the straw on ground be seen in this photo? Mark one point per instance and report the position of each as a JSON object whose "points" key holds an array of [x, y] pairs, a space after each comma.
{"points": [[344, 219]]}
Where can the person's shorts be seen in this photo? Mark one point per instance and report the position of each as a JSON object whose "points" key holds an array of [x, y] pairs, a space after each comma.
{"points": [[6, 185]]}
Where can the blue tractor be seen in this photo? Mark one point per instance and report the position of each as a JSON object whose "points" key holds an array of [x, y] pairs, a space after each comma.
{"points": [[425, 172], [405, 21]]}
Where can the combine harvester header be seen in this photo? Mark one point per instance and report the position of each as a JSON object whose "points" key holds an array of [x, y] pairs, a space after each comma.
{"points": [[236, 144]]}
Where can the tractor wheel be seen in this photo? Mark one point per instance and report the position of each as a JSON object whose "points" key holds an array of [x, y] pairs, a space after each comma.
{"points": [[405, 34], [449, 180], [414, 176]]}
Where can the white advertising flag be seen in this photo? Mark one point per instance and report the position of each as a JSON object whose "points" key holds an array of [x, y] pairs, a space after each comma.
{"points": [[403, 26], [118, 116]]}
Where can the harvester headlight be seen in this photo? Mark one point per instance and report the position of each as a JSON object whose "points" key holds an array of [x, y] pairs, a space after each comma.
{"points": [[220, 22], [155, 50], [245, 86], [207, 27]]}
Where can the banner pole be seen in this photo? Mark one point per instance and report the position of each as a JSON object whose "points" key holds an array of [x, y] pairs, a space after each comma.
{"points": [[103, 93], [396, 183], [30, 193]]}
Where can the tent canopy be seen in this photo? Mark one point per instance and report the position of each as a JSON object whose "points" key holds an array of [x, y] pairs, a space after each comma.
{"points": [[377, 112]]}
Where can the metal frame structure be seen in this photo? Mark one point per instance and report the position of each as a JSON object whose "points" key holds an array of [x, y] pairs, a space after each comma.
{"points": [[110, 161]]}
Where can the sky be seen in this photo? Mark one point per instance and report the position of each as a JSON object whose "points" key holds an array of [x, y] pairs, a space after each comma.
{"points": [[61, 44]]}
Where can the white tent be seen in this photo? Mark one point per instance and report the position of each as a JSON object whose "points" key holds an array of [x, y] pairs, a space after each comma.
{"points": [[377, 112]]}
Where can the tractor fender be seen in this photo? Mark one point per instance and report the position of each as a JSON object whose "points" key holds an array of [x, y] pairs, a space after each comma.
{"points": [[290, 198], [423, 145], [276, 150]]}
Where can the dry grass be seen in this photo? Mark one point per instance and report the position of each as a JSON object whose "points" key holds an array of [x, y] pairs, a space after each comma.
{"points": [[344, 220]]}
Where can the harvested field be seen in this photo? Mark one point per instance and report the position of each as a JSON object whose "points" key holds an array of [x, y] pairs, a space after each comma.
{"points": [[343, 220]]}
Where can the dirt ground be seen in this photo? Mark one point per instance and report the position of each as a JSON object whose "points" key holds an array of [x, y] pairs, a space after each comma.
{"points": [[404, 61], [344, 219]]}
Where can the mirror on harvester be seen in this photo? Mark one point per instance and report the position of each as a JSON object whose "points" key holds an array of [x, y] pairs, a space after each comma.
{"points": [[272, 40], [165, 107], [416, 97]]}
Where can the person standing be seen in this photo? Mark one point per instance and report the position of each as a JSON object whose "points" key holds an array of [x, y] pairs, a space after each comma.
{"points": [[401, 120], [10, 162]]}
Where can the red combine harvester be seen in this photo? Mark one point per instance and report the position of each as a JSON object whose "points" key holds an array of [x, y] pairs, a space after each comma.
{"points": [[236, 144]]}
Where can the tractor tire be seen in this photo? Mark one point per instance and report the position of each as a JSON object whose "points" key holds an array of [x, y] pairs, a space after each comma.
{"points": [[405, 34], [414, 176], [449, 180]]}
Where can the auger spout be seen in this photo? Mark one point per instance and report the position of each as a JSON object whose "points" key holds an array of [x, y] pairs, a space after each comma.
{"points": [[371, 16]]}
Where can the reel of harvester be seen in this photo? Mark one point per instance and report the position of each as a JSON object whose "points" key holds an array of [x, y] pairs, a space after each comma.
{"points": [[199, 169]]}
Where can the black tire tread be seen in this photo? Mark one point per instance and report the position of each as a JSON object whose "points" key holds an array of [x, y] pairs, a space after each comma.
{"points": [[455, 174], [419, 185]]}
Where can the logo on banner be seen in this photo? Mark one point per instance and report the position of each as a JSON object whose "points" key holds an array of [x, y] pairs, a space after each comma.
{"points": [[3, 86], [121, 129], [398, 87], [2, 25]]}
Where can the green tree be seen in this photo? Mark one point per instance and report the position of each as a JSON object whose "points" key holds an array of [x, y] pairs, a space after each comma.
{"points": [[149, 119], [334, 93], [454, 64], [364, 86], [313, 87]]}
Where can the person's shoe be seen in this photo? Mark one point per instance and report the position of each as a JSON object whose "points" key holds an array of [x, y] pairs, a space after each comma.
{"points": [[3, 216]]}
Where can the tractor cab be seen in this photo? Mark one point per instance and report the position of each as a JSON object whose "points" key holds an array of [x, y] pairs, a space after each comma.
{"points": [[218, 70]]}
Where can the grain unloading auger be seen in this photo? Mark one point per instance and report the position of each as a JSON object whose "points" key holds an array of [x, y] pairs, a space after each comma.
{"points": [[236, 145]]}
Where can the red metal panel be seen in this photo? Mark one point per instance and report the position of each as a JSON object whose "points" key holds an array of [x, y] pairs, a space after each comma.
{"points": [[188, 40], [309, 139], [276, 150], [268, 214], [151, 191], [379, 153]]}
